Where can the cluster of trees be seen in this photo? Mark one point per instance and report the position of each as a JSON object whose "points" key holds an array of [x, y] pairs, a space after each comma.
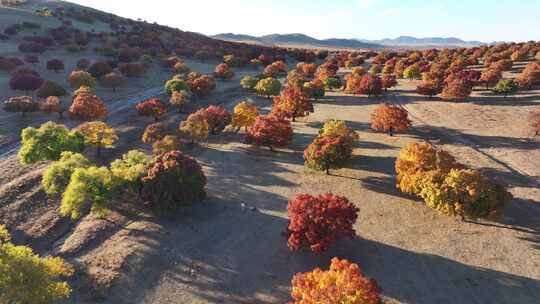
{"points": [[447, 186]]}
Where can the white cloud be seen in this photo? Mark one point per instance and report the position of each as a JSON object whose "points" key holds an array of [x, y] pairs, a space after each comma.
{"points": [[365, 4]]}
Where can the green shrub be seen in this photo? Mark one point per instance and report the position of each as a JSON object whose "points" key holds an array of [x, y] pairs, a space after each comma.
{"points": [[268, 87], [56, 177], [88, 189], [327, 153], [130, 168], [48, 142], [248, 82], [175, 85]]}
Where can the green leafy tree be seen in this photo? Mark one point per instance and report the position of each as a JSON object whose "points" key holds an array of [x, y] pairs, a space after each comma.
{"points": [[48, 142], [56, 177], [506, 87], [25, 277], [88, 189], [175, 85], [131, 168], [268, 87], [248, 82]]}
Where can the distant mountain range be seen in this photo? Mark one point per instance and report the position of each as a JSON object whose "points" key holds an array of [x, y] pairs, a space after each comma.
{"points": [[301, 40]]}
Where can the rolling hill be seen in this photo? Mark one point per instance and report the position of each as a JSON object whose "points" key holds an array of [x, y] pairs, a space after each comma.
{"points": [[289, 40]]}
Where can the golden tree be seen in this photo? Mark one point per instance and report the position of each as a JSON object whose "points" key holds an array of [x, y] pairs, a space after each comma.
{"points": [[99, 134], [416, 160], [390, 118], [196, 127], [29, 278], [343, 283], [244, 115]]}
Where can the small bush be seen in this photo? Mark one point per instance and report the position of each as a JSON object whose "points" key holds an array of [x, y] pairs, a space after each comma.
{"points": [[179, 99], [248, 82], [99, 69], [48, 142], [417, 160], [506, 87], [216, 117], [132, 69], [55, 65], [268, 87], [20, 265], [270, 131], [89, 189], [87, 107], [244, 115], [344, 283], [202, 86], [173, 180], [195, 127], [25, 82], [291, 103], [167, 144], [152, 107], [390, 118], [78, 79], [56, 177], [317, 222], [131, 168], [112, 80], [22, 104], [326, 153], [175, 85], [154, 132], [50, 88], [99, 134], [53, 104], [223, 71]]}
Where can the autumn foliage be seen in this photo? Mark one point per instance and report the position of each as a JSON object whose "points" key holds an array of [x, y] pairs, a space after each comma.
{"points": [[195, 127], [99, 134], [390, 118], [268, 87], [154, 132], [21, 104], [87, 107], [173, 180], [291, 103], [152, 107], [316, 222], [216, 117], [270, 131], [343, 283], [202, 85], [223, 71], [364, 85], [20, 265], [244, 115], [447, 186]]}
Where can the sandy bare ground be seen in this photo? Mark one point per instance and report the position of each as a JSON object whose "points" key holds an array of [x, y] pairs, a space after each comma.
{"points": [[229, 248]]}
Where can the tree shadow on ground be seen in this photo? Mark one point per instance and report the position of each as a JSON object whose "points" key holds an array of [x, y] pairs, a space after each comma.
{"points": [[231, 254], [493, 99]]}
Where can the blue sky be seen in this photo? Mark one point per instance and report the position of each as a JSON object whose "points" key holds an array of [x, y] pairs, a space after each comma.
{"points": [[485, 20]]}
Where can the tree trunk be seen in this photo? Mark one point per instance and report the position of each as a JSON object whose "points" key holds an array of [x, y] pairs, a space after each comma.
{"points": [[98, 150], [271, 148], [391, 131]]}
